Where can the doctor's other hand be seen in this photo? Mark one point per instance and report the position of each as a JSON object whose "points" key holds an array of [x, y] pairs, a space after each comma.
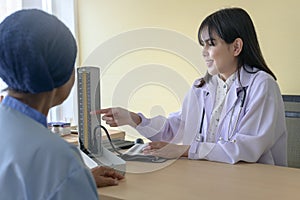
{"points": [[105, 176], [119, 116], [167, 150]]}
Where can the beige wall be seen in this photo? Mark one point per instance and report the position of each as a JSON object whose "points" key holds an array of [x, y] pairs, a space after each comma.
{"points": [[277, 24]]}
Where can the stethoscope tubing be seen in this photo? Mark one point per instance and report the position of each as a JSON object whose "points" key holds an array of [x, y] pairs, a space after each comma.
{"points": [[200, 137]]}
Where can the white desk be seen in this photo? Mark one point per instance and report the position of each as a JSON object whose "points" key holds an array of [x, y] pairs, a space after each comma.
{"points": [[188, 179]]}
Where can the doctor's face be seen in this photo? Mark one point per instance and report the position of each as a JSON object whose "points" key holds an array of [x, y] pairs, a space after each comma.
{"points": [[218, 55]]}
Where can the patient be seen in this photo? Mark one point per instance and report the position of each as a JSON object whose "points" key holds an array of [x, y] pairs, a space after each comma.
{"points": [[37, 56]]}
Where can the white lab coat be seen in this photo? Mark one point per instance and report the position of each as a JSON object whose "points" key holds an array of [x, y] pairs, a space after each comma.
{"points": [[260, 133]]}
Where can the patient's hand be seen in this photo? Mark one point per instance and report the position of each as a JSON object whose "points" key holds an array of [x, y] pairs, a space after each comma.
{"points": [[105, 176]]}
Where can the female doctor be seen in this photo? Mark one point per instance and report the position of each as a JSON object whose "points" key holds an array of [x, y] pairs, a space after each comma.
{"points": [[234, 113]]}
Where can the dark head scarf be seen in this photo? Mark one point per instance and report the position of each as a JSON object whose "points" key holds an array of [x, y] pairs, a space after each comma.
{"points": [[37, 52]]}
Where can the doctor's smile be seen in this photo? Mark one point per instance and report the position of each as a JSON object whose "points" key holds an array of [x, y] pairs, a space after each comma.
{"points": [[209, 63]]}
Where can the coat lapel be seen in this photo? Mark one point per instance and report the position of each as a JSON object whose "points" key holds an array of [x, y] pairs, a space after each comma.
{"points": [[233, 94], [209, 97]]}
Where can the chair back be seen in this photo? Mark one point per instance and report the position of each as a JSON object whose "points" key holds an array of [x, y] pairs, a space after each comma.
{"points": [[292, 116]]}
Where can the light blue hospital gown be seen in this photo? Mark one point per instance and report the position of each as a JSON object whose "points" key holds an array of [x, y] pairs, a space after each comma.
{"points": [[35, 163]]}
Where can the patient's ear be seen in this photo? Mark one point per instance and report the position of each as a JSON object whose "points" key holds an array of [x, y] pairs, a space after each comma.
{"points": [[62, 92], [237, 46]]}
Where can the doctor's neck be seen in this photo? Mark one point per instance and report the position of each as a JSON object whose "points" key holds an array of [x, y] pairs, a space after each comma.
{"points": [[225, 76], [227, 72]]}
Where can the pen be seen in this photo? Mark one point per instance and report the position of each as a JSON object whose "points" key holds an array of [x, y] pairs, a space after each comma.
{"points": [[200, 137]]}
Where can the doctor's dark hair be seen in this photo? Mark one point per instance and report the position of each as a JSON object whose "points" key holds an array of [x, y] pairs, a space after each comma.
{"points": [[230, 24]]}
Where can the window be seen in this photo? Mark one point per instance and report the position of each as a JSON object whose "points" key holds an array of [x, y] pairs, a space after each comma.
{"points": [[7, 7]]}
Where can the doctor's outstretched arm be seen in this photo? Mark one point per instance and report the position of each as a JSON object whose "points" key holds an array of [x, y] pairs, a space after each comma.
{"points": [[158, 128]]}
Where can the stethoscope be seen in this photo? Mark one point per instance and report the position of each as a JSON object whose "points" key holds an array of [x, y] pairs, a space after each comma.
{"points": [[200, 136]]}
